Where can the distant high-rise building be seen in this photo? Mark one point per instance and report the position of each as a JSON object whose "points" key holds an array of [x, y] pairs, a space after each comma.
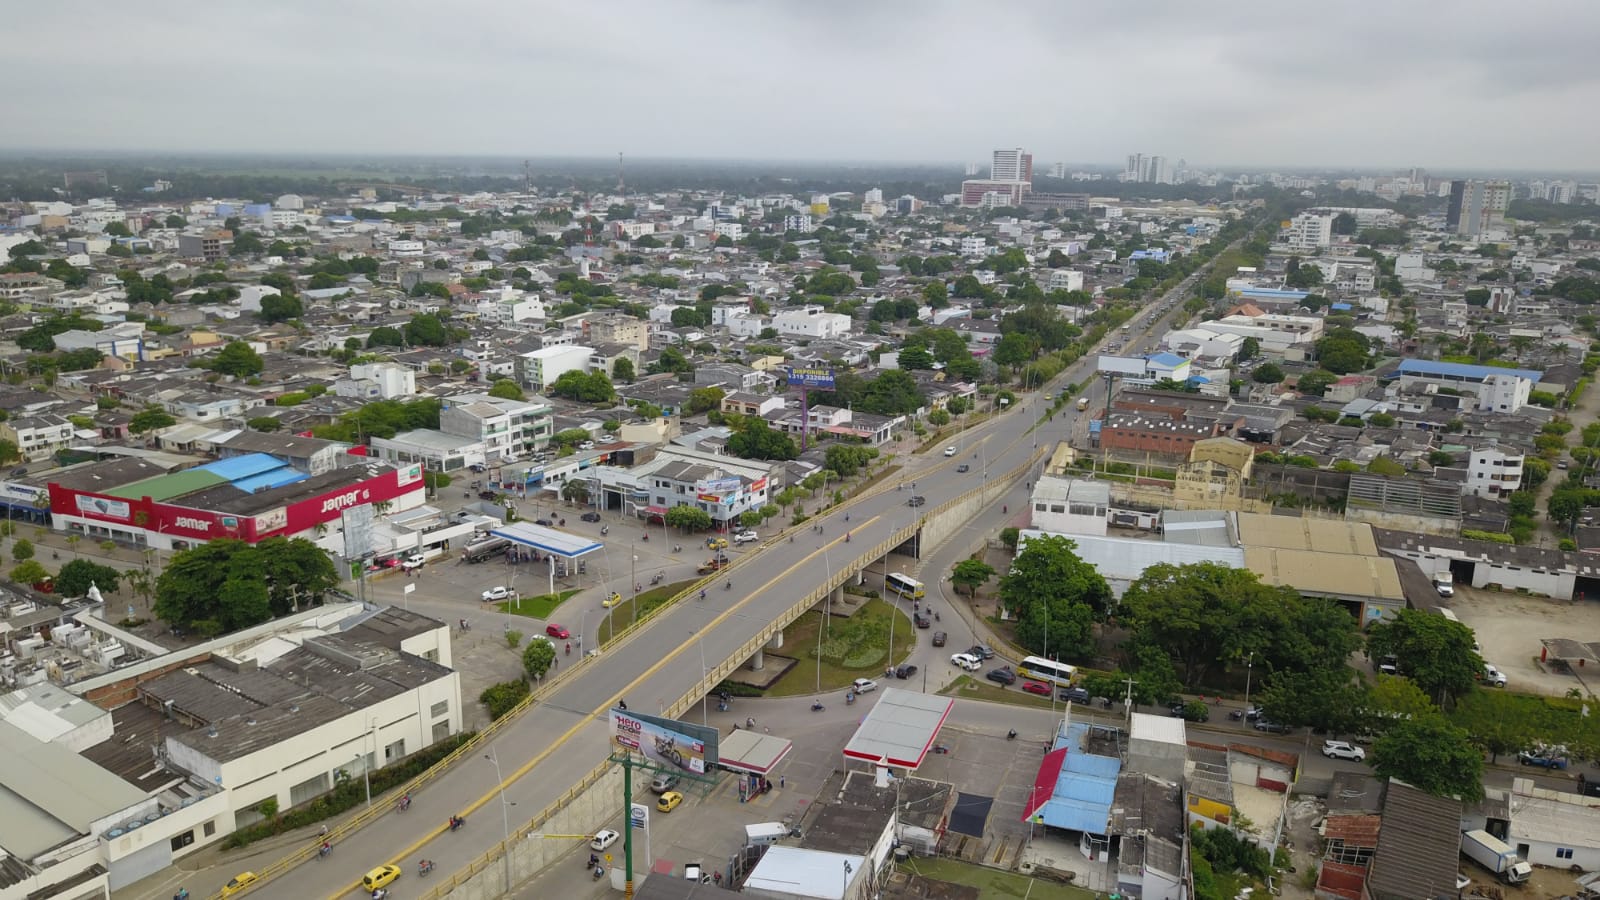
{"points": [[972, 169], [1149, 169], [1476, 206], [1058, 170], [875, 195], [1011, 165]]}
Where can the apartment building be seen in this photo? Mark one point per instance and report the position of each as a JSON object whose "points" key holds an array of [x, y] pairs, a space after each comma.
{"points": [[1310, 232], [209, 246], [1492, 472], [540, 368]]}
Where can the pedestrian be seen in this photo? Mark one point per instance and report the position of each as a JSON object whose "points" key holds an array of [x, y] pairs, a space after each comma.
{"points": [[782, 779], [766, 729]]}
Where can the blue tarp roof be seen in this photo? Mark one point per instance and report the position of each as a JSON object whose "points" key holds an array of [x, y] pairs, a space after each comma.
{"points": [[237, 467], [1425, 367], [1170, 360]]}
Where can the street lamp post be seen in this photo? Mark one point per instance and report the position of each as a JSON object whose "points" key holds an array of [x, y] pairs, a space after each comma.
{"points": [[705, 697], [1249, 670], [505, 814]]}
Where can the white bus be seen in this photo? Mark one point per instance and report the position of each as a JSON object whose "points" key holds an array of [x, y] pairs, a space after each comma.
{"points": [[904, 585], [1040, 669]]}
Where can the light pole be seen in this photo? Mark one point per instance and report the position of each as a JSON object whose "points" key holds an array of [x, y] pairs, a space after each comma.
{"points": [[365, 777], [1249, 670], [505, 814], [845, 892], [705, 697]]}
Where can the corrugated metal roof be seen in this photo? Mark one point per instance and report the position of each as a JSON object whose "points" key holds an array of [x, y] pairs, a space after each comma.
{"points": [[49, 796], [1340, 574], [1425, 367], [166, 487]]}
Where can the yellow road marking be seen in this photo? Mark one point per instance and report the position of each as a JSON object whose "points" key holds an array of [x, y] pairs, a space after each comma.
{"points": [[530, 764]]}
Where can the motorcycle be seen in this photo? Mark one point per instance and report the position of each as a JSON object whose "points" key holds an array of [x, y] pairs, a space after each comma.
{"points": [[728, 586], [324, 850], [817, 707], [605, 530], [940, 748], [1011, 735], [849, 699], [677, 548], [656, 578], [599, 872], [424, 867], [847, 537], [456, 822], [722, 706]]}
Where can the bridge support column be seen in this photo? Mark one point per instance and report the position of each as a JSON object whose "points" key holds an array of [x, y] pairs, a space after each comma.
{"points": [[758, 660], [776, 643]]}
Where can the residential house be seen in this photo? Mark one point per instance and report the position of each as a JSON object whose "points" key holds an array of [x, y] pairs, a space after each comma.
{"points": [[38, 436]]}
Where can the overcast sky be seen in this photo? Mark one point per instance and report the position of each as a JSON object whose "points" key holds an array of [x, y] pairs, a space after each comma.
{"points": [[1466, 84]]}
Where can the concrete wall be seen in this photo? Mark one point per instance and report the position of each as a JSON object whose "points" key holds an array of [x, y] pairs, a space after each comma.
{"points": [[943, 522], [592, 808]]}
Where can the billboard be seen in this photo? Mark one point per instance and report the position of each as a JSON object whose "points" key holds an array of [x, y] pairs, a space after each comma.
{"points": [[102, 507], [820, 377], [1122, 365], [666, 742]]}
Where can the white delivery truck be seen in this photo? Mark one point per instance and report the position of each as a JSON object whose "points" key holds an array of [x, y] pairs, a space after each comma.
{"points": [[1493, 854], [763, 833]]}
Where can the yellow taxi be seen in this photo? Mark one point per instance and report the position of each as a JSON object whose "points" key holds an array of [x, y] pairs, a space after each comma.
{"points": [[716, 543], [239, 883], [611, 601], [380, 877], [669, 801]]}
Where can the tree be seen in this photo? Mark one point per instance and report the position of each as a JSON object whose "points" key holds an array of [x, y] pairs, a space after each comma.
{"points": [[1344, 223], [29, 572], [537, 658], [935, 294], [246, 242], [151, 418], [280, 308], [176, 221], [226, 584], [593, 387], [1304, 277], [9, 451], [1323, 698], [689, 518], [971, 574], [1343, 351], [1433, 651], [755, 439], [622, 370], [704, 400], [915, 356], [385, 336], [237, 359], [1249, 348], [22, 550], [1267, 373], [426, 329], [76, 577], [847, 459], [1209, 616], [263, 423], [575, 491], [1315, 383], [1432, 755], [505, 389], [1046, 585]]}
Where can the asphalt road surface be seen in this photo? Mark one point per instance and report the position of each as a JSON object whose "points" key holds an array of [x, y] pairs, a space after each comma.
{"points": [[566, 734]]}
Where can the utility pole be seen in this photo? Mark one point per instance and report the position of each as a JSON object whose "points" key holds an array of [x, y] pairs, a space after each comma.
{"points": [[1127, 701]]}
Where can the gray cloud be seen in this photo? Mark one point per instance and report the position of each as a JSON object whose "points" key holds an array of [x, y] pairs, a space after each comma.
{"points": [[1469, 85]]}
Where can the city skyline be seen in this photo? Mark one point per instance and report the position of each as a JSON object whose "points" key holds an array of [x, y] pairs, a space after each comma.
{"points": [[895, 81]]}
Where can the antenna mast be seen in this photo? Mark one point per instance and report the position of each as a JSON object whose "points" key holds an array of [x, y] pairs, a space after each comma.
{"points": [[620, 182]]}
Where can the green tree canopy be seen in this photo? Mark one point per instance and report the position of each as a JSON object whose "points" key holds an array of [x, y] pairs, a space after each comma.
{"points": [[590, 387], [505, 389], [689, 518], [704, 400], [755, 439], [1433, 651], [1432, 755], [237, 359], [151, 418], [75, 578], [537, 658], [226, 584], [971, 574], [622, 370], [1054, 594], [1210, 617]]}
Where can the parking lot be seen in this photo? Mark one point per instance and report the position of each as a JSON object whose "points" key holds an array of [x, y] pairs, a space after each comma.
{"points": [[1510, 626]]}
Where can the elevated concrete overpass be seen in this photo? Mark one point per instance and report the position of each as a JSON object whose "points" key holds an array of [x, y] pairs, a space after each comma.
{"points": [[663, 665]]}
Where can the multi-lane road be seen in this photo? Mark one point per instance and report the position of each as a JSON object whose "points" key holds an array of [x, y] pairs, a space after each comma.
{"points": [[561, 738]]}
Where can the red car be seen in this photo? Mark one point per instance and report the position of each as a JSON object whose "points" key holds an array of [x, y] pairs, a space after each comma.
{"points": [[1036, 687], [556, 631]]}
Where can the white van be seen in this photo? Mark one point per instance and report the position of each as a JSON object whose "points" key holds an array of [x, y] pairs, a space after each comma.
{"points": [[763, 833]]}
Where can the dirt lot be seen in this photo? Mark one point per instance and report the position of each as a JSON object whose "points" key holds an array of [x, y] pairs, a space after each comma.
{"points": [[1510, 627]]}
